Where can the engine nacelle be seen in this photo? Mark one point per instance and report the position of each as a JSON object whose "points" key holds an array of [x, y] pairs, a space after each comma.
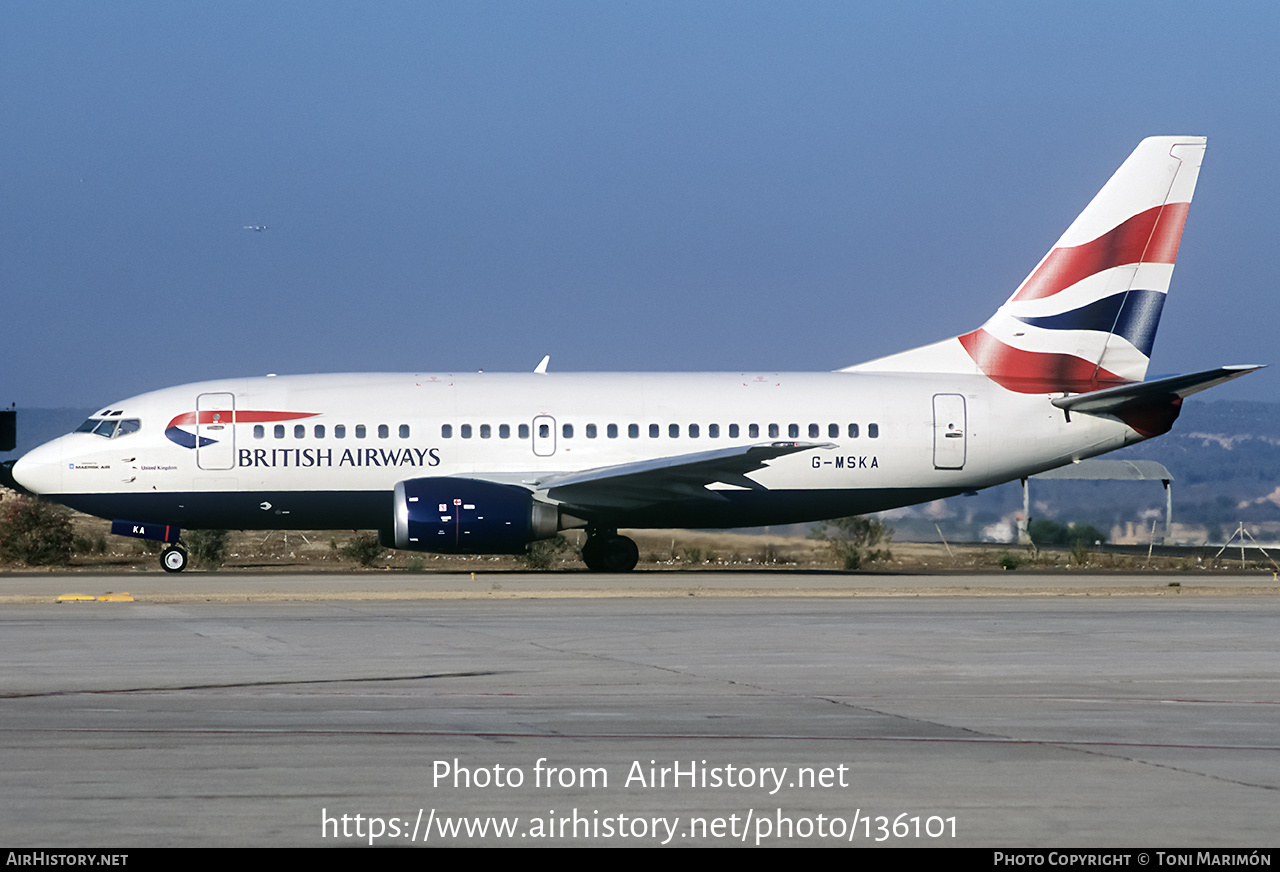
{"points": [[468, 516]]}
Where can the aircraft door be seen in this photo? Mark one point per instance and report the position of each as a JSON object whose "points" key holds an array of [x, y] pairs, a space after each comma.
{"points": [[544, 435], [215, 431], [949, 424]]}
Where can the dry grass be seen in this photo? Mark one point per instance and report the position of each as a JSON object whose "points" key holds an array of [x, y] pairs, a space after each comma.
{"points": [[674, 550]]}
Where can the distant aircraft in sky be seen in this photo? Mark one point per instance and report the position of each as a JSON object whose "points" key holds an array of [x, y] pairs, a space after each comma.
{"points": [[257, 228], [480, 463]]}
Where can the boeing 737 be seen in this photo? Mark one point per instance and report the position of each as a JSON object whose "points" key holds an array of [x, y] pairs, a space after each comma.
{"points": [[481, 463]]}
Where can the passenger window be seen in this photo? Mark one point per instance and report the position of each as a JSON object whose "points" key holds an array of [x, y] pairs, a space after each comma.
{"points": [[567, 430], [446, 431], [833, 431], [339, 431], [713, 431], [404, 431], [299, 431], [673, 430], [793, 431], [733, 431], [279, 431], [853, 431], [523, 433], [753, 431], [591, 431], [693, 431], [814, 432], [653, 431], [544, 431], [774, 431], [485, 431], [633, 431], [612, 431], [259, 431], [360, 431], [383, 431], [504, 431], [319, 431], [873, 431], [465, 431]]}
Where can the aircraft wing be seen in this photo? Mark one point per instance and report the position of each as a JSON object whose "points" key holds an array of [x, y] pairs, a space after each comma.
{"points": [[1115, 399], [683, 476]]}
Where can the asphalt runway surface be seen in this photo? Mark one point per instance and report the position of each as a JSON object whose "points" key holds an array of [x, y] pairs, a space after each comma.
{"points": [[686, 709]]}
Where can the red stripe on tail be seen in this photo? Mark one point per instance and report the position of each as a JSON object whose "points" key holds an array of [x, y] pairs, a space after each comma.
{"points": [[1148, 237], [1035, 372]]}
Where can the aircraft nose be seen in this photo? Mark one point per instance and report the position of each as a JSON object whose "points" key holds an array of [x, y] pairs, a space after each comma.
{"points": [[40, 470]]}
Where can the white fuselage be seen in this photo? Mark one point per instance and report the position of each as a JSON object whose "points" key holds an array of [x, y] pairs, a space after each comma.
{"points": [[327, 450]]}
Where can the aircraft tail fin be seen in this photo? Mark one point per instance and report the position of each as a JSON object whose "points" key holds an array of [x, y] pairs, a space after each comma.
{"points": [[1086, 316]]}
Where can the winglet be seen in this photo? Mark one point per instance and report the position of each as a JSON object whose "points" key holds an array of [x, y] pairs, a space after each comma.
{"points": [[541, 368]]}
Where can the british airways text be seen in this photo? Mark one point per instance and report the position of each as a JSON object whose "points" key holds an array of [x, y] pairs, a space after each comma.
{"points": [[329, 457]]}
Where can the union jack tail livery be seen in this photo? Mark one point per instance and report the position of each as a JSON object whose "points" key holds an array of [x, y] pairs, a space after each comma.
{"points": [[1085, 318]]}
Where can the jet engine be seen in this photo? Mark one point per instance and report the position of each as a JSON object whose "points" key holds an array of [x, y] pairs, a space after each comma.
{"points": [[469, 516]]}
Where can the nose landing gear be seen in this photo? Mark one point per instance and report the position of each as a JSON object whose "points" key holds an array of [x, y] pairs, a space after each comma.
{"points": [[606, 551]]}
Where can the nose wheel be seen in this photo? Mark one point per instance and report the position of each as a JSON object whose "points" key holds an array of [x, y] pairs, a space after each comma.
{"points": [[609, 552], [174, 559]]}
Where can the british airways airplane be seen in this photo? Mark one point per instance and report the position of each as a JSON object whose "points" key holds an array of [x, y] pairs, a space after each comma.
{"points": [[484, 464]]}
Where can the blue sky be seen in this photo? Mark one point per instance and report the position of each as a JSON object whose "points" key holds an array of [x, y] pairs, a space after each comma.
{"points": [[623, 186]]}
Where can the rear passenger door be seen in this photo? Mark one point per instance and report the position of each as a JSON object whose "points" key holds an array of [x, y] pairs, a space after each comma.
{"points": [[949, 426]]}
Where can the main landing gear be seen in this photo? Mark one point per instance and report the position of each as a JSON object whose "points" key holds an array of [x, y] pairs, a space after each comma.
{"points": [[606, 551], [174, 558]]}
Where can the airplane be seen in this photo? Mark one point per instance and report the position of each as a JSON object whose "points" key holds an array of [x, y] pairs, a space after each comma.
{"points": [[483, 463]]}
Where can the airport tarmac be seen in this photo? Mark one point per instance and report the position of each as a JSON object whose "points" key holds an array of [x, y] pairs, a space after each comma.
{"points": [[567, 708]]}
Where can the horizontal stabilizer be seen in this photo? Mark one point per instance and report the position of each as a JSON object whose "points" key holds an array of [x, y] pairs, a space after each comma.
{"points": [[1175, 387]]}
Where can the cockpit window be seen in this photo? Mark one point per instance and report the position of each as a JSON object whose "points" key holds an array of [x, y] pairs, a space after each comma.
{"points": [[111, 428]]}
